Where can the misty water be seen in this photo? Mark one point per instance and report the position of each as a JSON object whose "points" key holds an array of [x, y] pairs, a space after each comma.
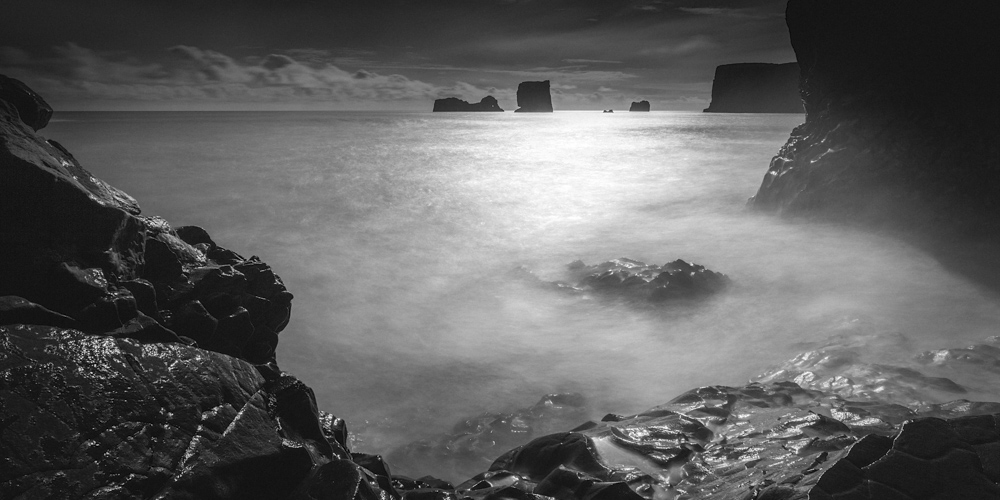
{"points": [[398, 234]]}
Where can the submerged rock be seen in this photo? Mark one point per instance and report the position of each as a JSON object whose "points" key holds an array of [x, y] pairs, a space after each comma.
{"points": [[637, 281], [534, 97], [488, 103], [756, 88], [639, 106]]}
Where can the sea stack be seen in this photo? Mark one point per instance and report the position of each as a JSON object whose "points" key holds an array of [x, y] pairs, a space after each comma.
{"points": [[902, 127], [534, 97], [756, 88], [488, 103], [639, 106]]}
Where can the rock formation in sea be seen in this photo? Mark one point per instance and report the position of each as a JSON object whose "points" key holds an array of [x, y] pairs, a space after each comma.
{"points": [[637, 282], [534, 97], [488, 103], [902, 131], [639, 106], [756, 88]]}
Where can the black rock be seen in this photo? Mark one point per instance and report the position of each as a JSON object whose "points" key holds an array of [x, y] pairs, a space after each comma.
{"points": [[488, 103], [639, 106], [756, 88], [534, 97], [31, 108], [902, 130]]}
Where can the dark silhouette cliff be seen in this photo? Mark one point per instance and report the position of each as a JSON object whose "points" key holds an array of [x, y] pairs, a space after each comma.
{"points": [[639, 106], [756, 88], [902, 129], [488, 103], [534, 97]]}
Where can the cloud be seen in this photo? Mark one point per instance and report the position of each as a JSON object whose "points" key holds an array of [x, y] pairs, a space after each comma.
{"points": [[590, 61], [200, 75], [746, 13]]}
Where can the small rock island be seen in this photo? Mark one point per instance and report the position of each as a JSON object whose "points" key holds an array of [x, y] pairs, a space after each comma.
{"points": [[756, 88], [488, 103], [534, 97], [639, 106]]}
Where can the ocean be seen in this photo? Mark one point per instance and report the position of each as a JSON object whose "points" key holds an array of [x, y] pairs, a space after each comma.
{"points": [[400, 234]]}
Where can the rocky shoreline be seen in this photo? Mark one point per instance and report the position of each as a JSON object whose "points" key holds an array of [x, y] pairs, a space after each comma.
{"points": [[137, 359]]}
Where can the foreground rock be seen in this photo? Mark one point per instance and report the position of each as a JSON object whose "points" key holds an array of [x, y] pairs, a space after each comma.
{"points": [[756, 88], [639, 106], [80, 248], [534, 97], [86, 413], [902, 129], [488, 103]]}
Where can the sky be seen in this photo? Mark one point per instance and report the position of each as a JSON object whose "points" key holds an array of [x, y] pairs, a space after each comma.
{"points": [[380, 54]]}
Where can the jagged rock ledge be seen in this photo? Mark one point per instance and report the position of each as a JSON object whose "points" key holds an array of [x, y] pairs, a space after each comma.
{"points": [[488, 103]]}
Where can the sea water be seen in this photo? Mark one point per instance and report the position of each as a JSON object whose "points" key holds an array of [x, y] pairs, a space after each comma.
{"points": [[398, 234]]}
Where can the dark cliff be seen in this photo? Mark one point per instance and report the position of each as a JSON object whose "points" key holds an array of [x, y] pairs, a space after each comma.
{"points": [[639, 106], [756, 88], [488, 103], [901, 129], [534, 97]]}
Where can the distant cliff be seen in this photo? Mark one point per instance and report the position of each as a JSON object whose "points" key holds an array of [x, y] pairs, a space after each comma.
{"points": [[639, 106], [902, 128], [756, 88], [488, 103], [534, 97]]}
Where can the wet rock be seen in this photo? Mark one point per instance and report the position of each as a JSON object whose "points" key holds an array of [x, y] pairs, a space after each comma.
{"points": [[534, 97], [474, 443], [83, 413], [756, 88], [16, 310], [78, 247], [488, 103], [639, 106], [763, 441], [637, 281]]}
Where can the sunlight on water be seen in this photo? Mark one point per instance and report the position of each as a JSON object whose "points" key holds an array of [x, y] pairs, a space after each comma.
{"points": [[398, 234]]}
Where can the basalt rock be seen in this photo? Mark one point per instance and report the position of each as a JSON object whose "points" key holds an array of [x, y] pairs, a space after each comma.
{"points": [[639, 106], [756, 88], [534, 97], [902, 129], [79, 248], [488, 103]]}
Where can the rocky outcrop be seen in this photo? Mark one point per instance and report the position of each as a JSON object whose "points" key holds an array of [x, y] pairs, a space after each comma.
{"points": [[534, 97], [80, 248], [902, 129], [639, 106], [637, 282], [756, 88], [30, 107], [488, 103]]}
